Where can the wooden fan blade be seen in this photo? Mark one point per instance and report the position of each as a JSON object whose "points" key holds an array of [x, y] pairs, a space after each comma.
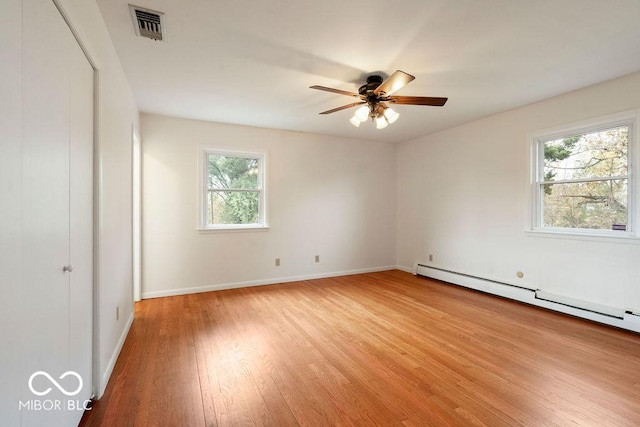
{"points": [[344, 107], [341, 92], [417, 100], [393, 83]]}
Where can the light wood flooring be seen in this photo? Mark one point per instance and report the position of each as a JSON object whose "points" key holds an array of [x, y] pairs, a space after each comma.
{"points": [[373, 349]]}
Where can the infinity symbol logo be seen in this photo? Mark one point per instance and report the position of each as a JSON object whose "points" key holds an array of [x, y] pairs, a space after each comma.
{"points": [[55, 383]]}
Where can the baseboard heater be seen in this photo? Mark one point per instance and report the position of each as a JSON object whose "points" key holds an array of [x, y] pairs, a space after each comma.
{"points": [[604, 310], [473, 277], [492, 286], [533, 296]]}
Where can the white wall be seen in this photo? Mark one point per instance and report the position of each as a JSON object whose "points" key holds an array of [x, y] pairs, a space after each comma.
{"points": [[327, 196], [462, 196], [117, 113]]}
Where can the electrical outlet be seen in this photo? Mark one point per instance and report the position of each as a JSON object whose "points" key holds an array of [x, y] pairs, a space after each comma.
{"points": [[117, 313], [430, 257], [277, 262], [317, 258]]}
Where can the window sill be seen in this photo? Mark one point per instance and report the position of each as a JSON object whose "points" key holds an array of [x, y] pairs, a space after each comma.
{"points": [[585, 236], [234, 229]]}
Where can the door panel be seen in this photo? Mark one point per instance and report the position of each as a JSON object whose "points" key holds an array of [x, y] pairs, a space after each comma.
{"points": [[45, 186]]}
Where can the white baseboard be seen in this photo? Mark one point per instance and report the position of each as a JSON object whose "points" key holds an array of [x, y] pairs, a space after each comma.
{"points": [[262, 282], [114, 357], [406, 269]]}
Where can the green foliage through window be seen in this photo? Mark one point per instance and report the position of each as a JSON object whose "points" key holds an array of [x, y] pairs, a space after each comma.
{"points": [[233, 189], [584, 180]]}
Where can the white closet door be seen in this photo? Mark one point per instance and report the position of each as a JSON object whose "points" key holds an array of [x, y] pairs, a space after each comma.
{"points": [[45, 186], [55, 132], [81, 219]]}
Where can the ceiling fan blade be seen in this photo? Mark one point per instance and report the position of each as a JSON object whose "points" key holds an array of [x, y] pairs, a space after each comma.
{"points": [[393, 83], [341, 92], [344, 107], [417, 100]]}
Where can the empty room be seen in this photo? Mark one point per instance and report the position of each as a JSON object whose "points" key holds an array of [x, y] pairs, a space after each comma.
{"points": [[283, 213]]}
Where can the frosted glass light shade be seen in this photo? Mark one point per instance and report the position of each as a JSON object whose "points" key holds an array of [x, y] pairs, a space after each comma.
{"points": [[381, 122], [391, 115], [362, 113], [355, 121]]}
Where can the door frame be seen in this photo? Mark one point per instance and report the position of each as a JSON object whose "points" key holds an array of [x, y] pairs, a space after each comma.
{"points": [[97, 186], [136, 213]]}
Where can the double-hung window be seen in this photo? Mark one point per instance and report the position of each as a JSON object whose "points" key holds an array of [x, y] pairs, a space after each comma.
{"points": [[232, 190], [583, 180]]}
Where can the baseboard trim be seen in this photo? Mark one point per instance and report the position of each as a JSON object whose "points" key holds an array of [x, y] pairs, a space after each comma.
{"points": [[262, 282], [114, 357], [406, 269]]}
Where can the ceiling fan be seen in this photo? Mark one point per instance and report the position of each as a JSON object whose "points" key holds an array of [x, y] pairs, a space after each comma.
{"points": [[374, 96]]}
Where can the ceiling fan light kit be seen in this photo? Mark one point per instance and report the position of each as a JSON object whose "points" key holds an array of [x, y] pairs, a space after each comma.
{"points": [[379, 113], [375, 94]]}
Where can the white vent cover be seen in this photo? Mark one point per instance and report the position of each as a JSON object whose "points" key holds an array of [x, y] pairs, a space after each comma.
{"points": [[148, 23]]}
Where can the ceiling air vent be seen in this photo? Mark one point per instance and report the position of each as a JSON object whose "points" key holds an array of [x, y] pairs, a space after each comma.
{"points": [[148, 23]]}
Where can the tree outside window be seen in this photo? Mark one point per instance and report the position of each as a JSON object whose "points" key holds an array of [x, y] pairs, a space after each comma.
{"points": [[234, 193], [583, 180]]}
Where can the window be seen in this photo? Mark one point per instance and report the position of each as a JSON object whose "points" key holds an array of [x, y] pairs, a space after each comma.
{"points": [[582, 180], [233, 190]]}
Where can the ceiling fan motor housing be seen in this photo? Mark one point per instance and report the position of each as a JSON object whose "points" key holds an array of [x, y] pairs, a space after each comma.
{"points": [[372, 83], [372, 99]]}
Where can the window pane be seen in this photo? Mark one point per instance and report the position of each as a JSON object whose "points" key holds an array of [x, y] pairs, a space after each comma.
{"points": [[599, 154], [594, 205], [232, 207], [232, 172]]}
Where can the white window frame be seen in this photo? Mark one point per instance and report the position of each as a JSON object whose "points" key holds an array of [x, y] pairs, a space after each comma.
{"points": [[535, 179], [203, 189]]}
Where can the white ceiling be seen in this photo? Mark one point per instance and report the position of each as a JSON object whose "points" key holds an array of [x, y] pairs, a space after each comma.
{"points": [[251, 62]]}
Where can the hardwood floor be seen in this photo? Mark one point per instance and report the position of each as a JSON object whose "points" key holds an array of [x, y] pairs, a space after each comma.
{"points": [[374, 349]]}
